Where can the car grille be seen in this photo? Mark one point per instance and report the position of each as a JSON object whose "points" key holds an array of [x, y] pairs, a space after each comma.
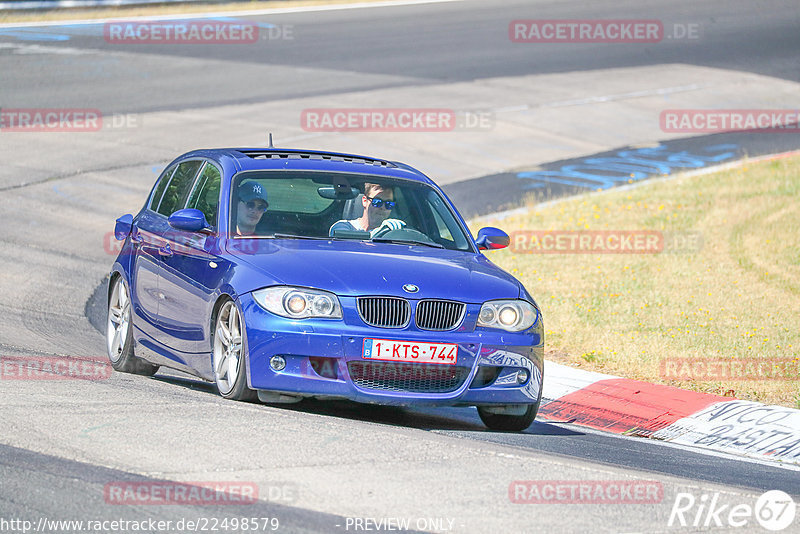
{"points": [[408, 377], [385, 312], [439, 314]]}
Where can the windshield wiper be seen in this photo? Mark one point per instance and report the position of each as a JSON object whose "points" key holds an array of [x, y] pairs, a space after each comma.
{"points": [[407, 242]]}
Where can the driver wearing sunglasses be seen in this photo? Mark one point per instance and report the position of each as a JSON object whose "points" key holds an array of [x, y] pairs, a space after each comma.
{"points": [[252, 205], [378, 204]]}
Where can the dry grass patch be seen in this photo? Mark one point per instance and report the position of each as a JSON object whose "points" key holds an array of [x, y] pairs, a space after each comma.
{"points": [[737, 298]]}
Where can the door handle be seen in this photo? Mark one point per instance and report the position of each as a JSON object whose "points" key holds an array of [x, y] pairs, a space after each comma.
{"points": [[165, 251]]}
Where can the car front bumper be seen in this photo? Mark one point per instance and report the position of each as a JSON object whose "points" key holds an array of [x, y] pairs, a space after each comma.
{"points": [[324, 359]]}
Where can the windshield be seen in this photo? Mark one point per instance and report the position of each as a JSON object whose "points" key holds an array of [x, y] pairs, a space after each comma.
{"points": [[321, 205]]}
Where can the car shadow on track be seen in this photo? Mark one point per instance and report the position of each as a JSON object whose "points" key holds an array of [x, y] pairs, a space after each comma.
{"points": [[423, 418], [187, 382]]}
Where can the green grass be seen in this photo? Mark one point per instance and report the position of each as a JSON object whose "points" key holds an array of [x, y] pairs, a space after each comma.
{"points": [[738, 296]]}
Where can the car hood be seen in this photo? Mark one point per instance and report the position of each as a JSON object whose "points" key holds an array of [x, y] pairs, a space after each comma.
{"points": [[365, 268]]}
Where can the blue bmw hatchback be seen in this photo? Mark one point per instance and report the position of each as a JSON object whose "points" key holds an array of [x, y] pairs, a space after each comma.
{"points": [[283, 274]]}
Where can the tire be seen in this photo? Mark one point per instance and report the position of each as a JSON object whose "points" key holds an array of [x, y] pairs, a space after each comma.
{"points": [[119, 333], [229, 354], [509, 423]]}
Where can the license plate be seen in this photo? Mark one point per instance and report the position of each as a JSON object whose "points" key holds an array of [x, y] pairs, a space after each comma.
{"points": [[410, 351]]}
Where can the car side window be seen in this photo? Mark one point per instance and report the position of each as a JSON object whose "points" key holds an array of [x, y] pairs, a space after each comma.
{"points": [[205, 195], [155, 200], [178, 188], [447, 227], [444, 231]]}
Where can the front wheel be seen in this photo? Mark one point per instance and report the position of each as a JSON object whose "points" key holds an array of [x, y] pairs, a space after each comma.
{"points": [[119, 333], [230, 362], [509, 422]]}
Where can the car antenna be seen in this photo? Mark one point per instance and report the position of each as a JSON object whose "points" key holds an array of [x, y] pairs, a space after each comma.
{"points": [[270, 141]]}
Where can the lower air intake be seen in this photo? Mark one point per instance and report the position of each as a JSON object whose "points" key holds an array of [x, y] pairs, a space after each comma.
{"points": [[408, 377]]}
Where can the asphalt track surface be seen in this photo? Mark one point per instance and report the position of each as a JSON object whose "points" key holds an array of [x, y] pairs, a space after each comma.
{"points": [[174, 427], [364, 49]]}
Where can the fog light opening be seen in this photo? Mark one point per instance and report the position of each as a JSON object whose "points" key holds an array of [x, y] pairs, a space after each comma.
{"points": [[278, 363], [522, 376], [324, 367]]}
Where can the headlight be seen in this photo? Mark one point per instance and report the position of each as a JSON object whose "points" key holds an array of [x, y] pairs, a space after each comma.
{"points": [[511, 315], [298, 302]]}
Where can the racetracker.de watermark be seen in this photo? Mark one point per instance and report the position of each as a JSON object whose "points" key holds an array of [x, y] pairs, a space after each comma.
{"points": [[180, 493], [395, 120], [72, 120], [586, 492], [188, 244], [204, 31], [730, 120], [603, 242], [149, 524], [53, 368], [730, 369], [599, 31], [50, 120]]}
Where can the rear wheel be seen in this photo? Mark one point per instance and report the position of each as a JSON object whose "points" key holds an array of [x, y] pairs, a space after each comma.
{"points": [[119, 333], [508, 422], [229, 355]]}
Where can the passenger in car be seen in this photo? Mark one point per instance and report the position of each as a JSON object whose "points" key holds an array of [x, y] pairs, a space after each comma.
{"points": [[252, 205], [378, 203]]}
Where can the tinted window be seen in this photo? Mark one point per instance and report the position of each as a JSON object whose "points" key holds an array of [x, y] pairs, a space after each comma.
{"points": [[292, 195], [162, 184], [305, 204], [205, 196], [178, 188]]}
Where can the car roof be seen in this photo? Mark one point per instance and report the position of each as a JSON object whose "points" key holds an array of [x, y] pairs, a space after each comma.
{"points": [[251, 159]]}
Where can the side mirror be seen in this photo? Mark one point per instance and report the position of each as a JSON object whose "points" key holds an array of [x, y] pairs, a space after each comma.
{"points": [[123, 227], [188, 220], [491, 238]]}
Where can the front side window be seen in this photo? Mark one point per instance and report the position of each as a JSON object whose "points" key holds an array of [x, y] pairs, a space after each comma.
{"points": [[205, 195], [325, 205], [163, 180], [178, 189]]}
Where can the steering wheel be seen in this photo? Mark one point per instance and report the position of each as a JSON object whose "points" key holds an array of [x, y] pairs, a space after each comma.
{"points": [[389, 225], [407, 234]]}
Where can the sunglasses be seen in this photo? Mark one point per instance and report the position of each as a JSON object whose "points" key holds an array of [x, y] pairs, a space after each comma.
{"points": [[253, 205], [379, 202]]}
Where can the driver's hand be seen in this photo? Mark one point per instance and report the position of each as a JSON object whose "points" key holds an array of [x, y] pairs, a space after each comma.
{"points": [[387, 226]]}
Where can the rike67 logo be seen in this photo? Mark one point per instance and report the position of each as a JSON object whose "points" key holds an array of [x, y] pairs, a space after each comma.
{"points": [[774, 510]]}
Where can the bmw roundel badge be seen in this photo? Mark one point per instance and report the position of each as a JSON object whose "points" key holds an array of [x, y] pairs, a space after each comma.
{"points": [[410, 288]]}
